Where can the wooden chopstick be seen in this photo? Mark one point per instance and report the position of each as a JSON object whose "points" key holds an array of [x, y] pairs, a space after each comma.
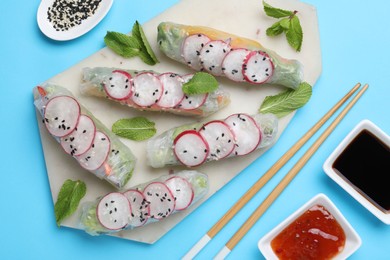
{"points": [[265, 178], [286, 180]]}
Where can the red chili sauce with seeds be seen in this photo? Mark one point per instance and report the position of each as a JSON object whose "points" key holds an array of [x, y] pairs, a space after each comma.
{"points": [[315, 234]]}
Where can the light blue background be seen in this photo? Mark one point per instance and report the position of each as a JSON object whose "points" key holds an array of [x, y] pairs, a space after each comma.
{"points": [[355, 46]]}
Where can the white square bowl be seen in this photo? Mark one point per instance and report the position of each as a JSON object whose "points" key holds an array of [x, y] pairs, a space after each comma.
{"points": [[352, 239], [348, 187]]}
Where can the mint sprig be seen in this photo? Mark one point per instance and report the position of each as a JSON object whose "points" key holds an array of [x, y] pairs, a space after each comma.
{"points": [[68, 200], [133, 45], [290, 25], [200, 83], [286, 102], [136, 128]]}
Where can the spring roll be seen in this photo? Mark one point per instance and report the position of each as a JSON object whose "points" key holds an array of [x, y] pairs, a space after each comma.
{"points": [[195, 144], [82, 136], [143, 204], [151, 91], [224, 54]]}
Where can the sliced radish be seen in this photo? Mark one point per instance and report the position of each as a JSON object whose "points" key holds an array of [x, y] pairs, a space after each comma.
{"points": [[181, 190], [191, 49], [113, 211], [212, 55], [162, 202], [219, 137], [190, 148], [97, 154], [61, 115], [233, 62], [140, 207], [147, 89], [258, 67], [80, 140], [173, 93], [246, 132], [118, 86], [190, 102]]}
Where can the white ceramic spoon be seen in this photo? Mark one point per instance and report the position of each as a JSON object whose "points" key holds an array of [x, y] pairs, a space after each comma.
{"points": [[47, 27]]}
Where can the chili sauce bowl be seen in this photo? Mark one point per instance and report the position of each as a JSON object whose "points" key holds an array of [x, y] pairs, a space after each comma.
{"points": [[360, 165], [321, 240]]}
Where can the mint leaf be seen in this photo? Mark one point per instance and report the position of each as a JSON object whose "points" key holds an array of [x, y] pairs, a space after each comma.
{"points": [[275, 29], [145, 57], [287, 101], [285, 23], [148, 55], [129, 46], [68, 200], [294, 34], [200, 83], [136, 128], [275, 12], [290, 25], [122, 44]]}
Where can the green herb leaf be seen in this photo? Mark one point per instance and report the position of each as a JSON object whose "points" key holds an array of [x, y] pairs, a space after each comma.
{"points": [[145, 57], [129, 46], [122, 44], [68, 199], [276, 12], [294, 34], [287, 101], [149, 57], [136, 128], [200, 83], [275, 29], [290, 25], [285, 23]]}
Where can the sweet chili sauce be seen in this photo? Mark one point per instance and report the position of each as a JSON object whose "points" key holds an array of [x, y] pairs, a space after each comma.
{"points": [[315, 234]]}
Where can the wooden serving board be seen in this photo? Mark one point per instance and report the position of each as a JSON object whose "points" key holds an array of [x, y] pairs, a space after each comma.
{"points": [[243, 18]]}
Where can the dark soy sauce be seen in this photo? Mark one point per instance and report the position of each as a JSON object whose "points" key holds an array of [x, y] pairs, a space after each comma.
{"points": [[365, 163]]}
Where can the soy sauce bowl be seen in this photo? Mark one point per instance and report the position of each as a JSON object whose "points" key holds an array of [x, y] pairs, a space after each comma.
{"points": [[360, 165], [86, 25], [352, 239]]}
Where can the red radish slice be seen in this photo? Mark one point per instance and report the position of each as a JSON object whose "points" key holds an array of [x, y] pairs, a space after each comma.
{"points": [[190, 148], [80, 140], [191, 102], [246, 132], [140, 207], [191, 49], [147, 89], [181, 190], [232, 64], [212, 55], [173, 93], [61, 115], [113, 211], [162, 202], [219, 137], [118, 85], [258, 67], [97, 154]]}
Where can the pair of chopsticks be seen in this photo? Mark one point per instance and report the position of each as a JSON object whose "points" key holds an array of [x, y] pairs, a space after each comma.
{"points": [[235, 239]]}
